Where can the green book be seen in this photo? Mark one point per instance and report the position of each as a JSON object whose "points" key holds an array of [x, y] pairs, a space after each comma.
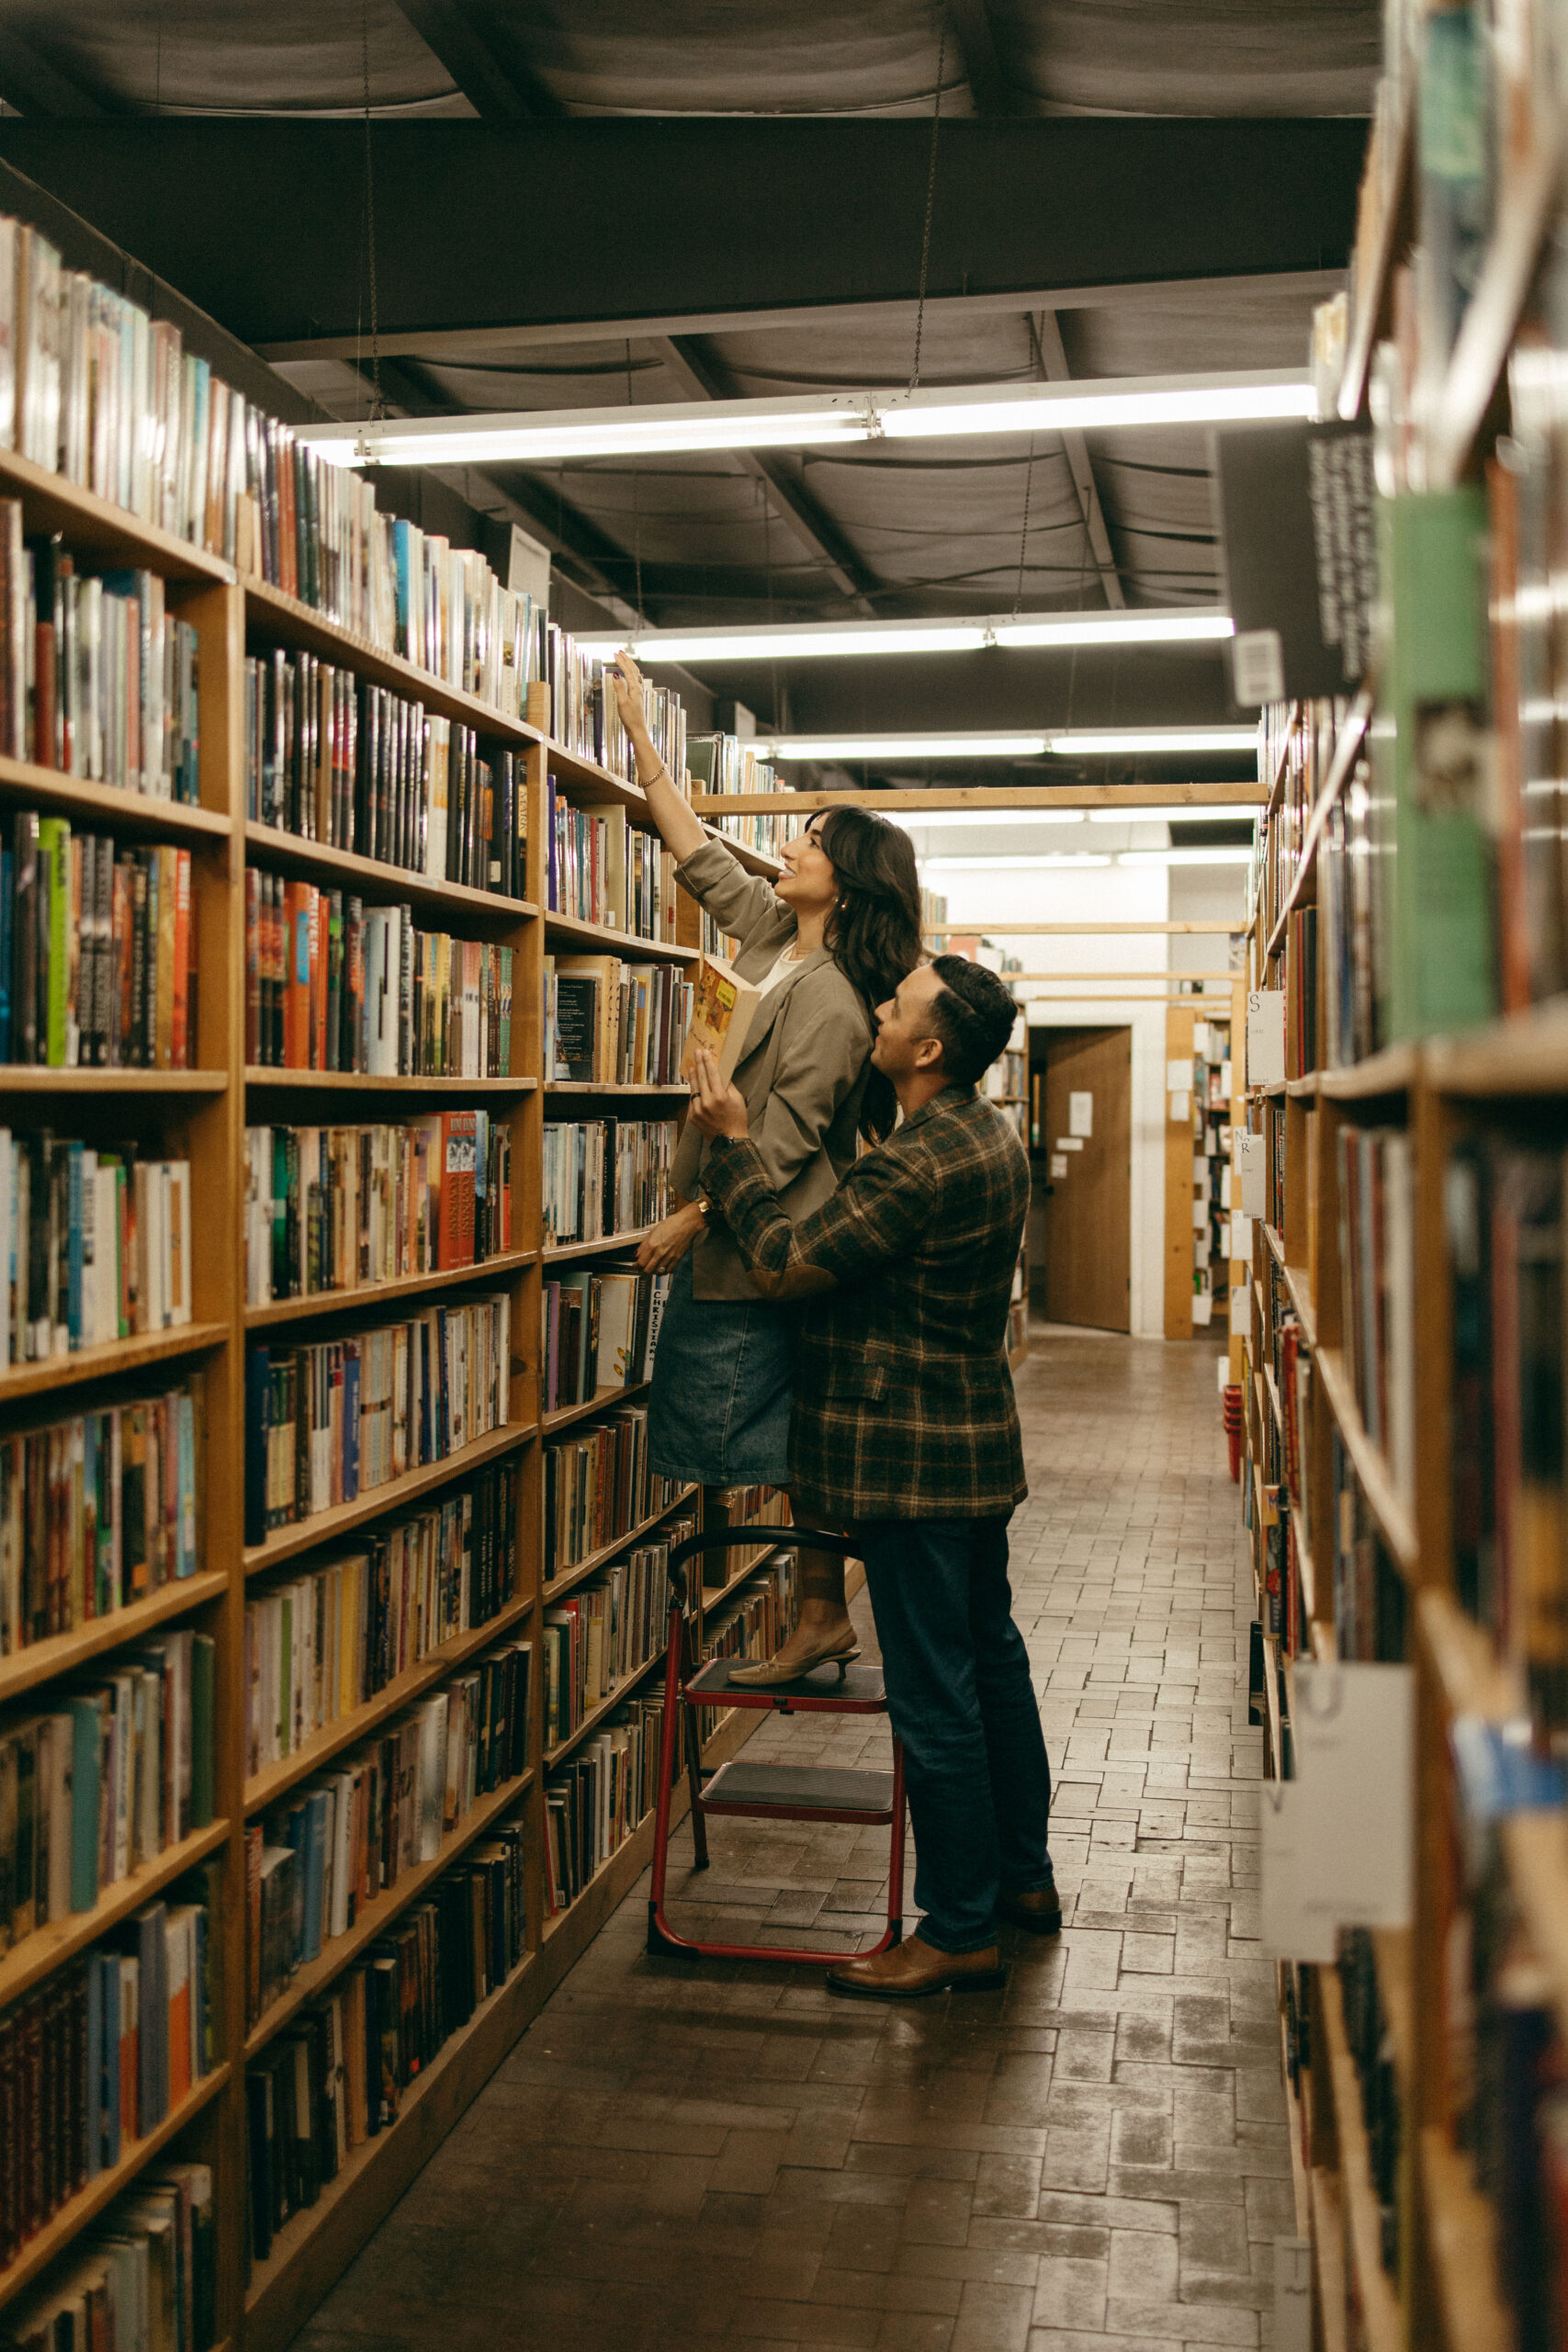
{"points": [[85, 1720], [54, 917], [203, 1672], [1431, 747]]}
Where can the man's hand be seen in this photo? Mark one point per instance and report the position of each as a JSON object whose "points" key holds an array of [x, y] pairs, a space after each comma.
{"points": [[717, 1109]]}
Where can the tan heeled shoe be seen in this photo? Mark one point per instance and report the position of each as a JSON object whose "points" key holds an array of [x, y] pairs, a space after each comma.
{"points": [[771, 1672]]}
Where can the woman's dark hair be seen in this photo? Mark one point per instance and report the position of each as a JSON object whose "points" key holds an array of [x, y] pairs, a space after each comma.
{"points": [[873, 931]]}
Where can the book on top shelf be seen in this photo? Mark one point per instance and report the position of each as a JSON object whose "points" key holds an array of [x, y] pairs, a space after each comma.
{"points": [[724, 1009]]}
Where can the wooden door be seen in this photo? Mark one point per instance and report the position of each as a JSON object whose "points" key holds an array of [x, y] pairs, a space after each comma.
{"points": [[1085, 1171]]}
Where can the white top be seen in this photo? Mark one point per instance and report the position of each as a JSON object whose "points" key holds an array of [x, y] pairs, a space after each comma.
{"points": [[783, 964]]}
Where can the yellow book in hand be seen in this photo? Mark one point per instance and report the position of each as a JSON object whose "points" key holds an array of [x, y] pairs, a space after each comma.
{"points": [[722, 1008]]}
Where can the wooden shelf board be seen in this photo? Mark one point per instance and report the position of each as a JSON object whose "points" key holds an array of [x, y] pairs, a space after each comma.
{"points": [[267, 1786], [1272, 1707], [1529, 189], [316, 1975], [77, 2211], [1369, 315], [1300, 2180], [563, 1416], [1394, 1950], [769, 1539], [1377, 1481], [1536, 1848], [381, 881], [32, 1077], [275, 615], [63, 1653], [1328, 2254], [1347, 746], [603, 939], [579, 773], [332, 1302], [1386, 2325], [606, 1706], [49, 503], [392, 1496], [1392, 1071], [356, 1082], [569, 1579], [19, 1380], [558, 1250], [607, 1086], [108, 805], [1471, 1677], [1525, 1055], [1270, 1390], [1460, 2230], [48, 1948]]}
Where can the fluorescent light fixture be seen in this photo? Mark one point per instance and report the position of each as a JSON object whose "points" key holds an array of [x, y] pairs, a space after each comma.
{"points": [[953, 820], [1236, 812], [1035, 862], [1237, 857], [818, 640], [513, 437], [1157, 738], [1130, 739], [901, 747]]}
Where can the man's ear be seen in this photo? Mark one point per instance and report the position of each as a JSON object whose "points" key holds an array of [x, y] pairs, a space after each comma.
{"points": [[928, 1052]]}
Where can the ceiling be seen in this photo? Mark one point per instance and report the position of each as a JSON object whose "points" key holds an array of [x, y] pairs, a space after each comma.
{"points": [[701, 200]]}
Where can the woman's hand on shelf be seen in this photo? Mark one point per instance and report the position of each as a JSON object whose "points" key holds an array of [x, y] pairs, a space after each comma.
{"points": [[683, 833], [662, 1249]]}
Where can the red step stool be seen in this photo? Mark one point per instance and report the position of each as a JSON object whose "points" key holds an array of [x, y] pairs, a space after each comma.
{"points": [[768, 1791]]}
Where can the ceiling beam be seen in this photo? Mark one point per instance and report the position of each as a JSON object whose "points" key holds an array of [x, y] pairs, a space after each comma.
{"points": [[991, 796], [455, 36], [1046, 337], [972, 28], [41, 90], [771, 214], [804, 520]]}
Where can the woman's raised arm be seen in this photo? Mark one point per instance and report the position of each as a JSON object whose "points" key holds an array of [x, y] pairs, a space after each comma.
{"points": [[681, 830]]}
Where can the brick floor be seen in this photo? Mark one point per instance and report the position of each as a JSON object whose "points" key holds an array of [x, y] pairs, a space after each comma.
{"points": [[1095, 2160]]}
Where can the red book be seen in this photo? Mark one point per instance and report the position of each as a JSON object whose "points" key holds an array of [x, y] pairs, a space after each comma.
{"points": [[252, 965], [179, 1044], [318, 981], [459, 1145]]}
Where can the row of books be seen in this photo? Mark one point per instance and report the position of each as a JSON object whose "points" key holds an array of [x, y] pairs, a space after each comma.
{"points": [[332, 758], [1370, 1615], [603, 868], [760, 1623], [1209, 1112], [759, 1507], [598, 1487], [143, 2279], [609, 1628], [605, 1176], [613, 1023], [594, 1802], [98, 679], [1377, 1266], [585, 717], [1372, 2051], [728, 763], [97, 1511], [344, 1208], [103, 1781], [98, 952], [1300, 736], [348, 1837], [325, 1643], [600, 1330], [96, 2058], [332, 984], [93, 1246], [337, 2077], [329, 1420]]}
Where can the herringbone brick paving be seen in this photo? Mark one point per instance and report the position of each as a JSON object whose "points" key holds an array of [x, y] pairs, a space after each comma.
{"points": [[694, 2156]]}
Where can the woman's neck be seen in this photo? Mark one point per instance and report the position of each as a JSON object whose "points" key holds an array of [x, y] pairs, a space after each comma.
{"points": [[809, 928]]}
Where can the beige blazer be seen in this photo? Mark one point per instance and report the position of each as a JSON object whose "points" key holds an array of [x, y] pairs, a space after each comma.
{"points": [[801, 1075]]}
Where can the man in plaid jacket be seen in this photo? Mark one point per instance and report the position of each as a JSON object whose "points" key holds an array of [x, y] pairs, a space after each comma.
{"points": [[905, 1427]]}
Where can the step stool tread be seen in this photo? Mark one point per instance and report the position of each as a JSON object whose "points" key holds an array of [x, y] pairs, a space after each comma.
{"points": [[812, 1786], [860, 1685]]}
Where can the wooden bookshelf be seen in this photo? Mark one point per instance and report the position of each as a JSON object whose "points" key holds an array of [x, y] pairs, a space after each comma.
{"points": [[208, 1108], [603, 939]]}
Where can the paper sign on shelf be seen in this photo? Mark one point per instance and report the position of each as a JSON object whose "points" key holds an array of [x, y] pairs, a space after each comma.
{"points": [[1182, 1108], [1265, 1036], [1058, 1163], [1201, 1040], [1252, 1168], [1339, 1851], [1226, 1087], [1241, 1236], [1080, 1115], [1241, 1312], [1067, 1142], [1200, 1215], [1178, 1075]]}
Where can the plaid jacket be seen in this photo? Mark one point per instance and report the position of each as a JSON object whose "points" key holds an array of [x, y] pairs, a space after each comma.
{"points": [[903, 1399]]}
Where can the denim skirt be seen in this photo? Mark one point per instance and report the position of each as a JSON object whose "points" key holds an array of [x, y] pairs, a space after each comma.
{"points": [[718, 1415]]}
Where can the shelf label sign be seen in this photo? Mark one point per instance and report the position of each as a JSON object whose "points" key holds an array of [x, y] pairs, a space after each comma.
{"points": [[1252, 1169], [1337, 1842]]}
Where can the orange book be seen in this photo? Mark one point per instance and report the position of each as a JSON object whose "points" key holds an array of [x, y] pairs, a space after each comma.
{"points": [[318, 981], [459, 1145]]}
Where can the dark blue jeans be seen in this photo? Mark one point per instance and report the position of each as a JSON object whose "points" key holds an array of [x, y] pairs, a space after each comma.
{"points": [[961, 1699]]}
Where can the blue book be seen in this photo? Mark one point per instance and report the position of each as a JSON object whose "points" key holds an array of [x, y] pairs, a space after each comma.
{"points": [[85, 1720], [151, 1925], [95, 2066], [351, 1429], [403, 589], [108, 2056], [258, 1397], [315, 1860], [295, 1834]]}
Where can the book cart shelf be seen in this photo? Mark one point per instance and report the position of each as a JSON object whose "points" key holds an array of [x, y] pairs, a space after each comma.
{"points": [[1436, 2282], [201, 1114]]}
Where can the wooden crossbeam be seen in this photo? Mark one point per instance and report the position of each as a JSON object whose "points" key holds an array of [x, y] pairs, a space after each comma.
{"points": [[1064, 796], [993, 928]]}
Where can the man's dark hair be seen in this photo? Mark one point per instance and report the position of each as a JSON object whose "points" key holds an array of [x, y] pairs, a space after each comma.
{"points": [[972, 1016]]}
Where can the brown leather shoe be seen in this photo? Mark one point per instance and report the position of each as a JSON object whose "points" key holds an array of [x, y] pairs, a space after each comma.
{"points": [[906, 1972], [1036, 1909]]}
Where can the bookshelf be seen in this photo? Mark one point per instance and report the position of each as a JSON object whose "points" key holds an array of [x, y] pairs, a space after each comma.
{"points": [[1427, 1090], [200, 1114]]}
